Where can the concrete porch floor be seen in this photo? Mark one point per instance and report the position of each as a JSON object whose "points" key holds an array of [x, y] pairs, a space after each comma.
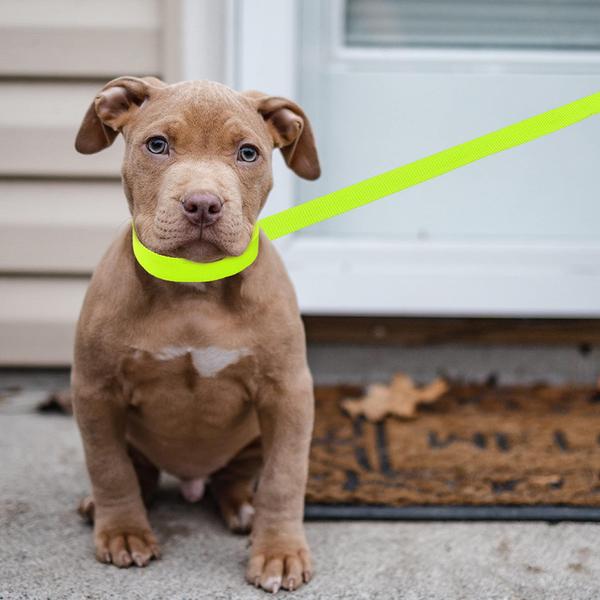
{"points": [[46, 551]]}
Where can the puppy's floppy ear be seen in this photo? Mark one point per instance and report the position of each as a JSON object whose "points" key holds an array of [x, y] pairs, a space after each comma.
{"points": [[110, 110], [291, 132]]}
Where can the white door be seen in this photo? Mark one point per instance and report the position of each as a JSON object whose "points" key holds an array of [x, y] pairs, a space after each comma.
{"points": [[389, 81]]}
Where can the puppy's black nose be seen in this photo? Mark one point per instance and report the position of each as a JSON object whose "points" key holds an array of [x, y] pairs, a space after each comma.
{"points": [[202, 208]]}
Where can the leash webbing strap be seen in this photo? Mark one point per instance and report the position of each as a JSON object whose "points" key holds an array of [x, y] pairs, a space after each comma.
{"points": [[341, 201], [356, 195]]}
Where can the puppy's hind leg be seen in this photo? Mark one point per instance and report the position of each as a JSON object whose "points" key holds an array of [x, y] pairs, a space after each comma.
{"points": [[148, 476], [233, 487]]}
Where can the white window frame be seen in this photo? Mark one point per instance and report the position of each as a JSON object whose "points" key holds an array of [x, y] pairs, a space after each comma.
{"points": [[465, 60], [423, 278]]}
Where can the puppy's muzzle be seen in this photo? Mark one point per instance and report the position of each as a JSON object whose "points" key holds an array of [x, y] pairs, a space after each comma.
{"points": [[202, 208]]}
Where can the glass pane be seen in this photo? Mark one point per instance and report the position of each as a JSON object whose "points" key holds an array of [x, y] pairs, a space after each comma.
{"points": [[493, 24], [374, 113]]}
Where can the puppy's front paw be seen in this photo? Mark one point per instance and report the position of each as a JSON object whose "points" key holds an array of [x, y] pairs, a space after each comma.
{"points": [[124, 547], [279, 563]]}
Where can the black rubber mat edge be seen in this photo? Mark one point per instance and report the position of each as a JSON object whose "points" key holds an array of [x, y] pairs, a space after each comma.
{"points": [[549, 513]]}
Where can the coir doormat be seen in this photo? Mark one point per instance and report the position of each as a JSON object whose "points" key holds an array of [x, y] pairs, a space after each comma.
{"points": [[475, 447]]}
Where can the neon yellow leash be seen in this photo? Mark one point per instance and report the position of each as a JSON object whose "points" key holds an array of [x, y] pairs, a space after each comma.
{"points": [[356, 195]]}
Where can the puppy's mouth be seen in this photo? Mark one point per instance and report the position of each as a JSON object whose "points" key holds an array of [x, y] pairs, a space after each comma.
{"points": [[202, 244], [201, 228], [207, 243]]}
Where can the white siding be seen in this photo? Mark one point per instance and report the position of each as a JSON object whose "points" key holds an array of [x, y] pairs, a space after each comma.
{"points": [[57, 227], [37, 319], [39, 122], [85, 38], [58, 209]]}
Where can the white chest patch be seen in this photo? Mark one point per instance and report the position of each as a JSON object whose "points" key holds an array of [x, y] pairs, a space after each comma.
{"points": [[197, 285], [207, 361]]}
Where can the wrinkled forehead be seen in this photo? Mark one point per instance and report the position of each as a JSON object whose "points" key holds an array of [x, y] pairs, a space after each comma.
{"points": [[201, 109]]}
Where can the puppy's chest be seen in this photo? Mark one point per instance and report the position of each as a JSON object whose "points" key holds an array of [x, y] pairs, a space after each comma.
{"points": [[187, 383], [190, 407]]}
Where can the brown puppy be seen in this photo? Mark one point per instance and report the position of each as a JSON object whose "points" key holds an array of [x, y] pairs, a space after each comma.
{"points": [[199, 380]]}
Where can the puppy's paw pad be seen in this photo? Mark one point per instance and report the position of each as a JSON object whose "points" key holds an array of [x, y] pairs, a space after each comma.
{"points": [[283, 569], [241, 522], [272, 584], [126, 548], [86, 509]]}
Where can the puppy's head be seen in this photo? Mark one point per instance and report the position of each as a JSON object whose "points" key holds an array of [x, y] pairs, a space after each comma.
{"points": [[197, 165]]}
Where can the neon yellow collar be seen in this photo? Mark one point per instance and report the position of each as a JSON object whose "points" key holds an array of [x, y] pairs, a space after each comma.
{"points": [[183, 270], [361, 193]]}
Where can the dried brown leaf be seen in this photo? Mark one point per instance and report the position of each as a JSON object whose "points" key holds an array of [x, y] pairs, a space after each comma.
{"points": [[401, 398]]}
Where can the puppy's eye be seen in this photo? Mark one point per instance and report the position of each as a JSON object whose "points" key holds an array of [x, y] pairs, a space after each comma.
{"points": [[248, 153], [157, 145]]}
